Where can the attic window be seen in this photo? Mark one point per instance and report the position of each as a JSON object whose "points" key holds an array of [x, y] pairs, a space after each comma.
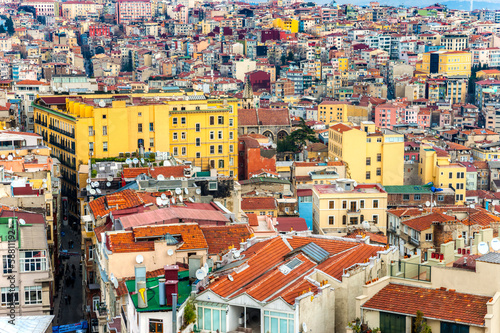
{"points": [[287, 268], [212, 186]]}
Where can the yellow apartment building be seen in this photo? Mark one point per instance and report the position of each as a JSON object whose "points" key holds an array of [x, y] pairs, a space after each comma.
{"points": [[287, 24], [371, 155], [446, 62], [337, 111], [435, 166], [345, 205], [189, 127]]}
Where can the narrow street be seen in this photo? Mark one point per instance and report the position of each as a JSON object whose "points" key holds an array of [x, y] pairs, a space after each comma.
{"points": [[68, 303]]}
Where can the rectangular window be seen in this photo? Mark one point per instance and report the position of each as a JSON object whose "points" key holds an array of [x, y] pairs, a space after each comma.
{"points": [[231, 122], [331, 220], [139, 128], [212, 150], [33, 295], [220, 149], [174, 136], [155, 326], [91, 130], [212, 120], [151, 142], [176, 151], [344, 204], [375, 219], [375, 203], [198, 127], [406, 197], [368, 161], [428, 237], [32, 261], [7, 264], [139, 114], [231, 135], [174, 121], [220, 120], [212, 135], [450, 175], [416, 197], [368, 176], [221, 164], [183, 136], [10, 297], [440, 197], [198, 142], [183, 120], [105, 130], [331, 204], [361, 204], [151, 127], [104, 146], [379, 157], [183, 151], [219, 136], [231, 148], [198, 154], [379, 171]]}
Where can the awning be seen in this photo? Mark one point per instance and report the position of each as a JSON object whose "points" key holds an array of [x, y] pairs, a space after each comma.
{"points": [[409, 246]]}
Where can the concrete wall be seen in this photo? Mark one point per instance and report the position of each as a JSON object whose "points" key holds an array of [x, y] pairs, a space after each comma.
{"points": [[317, 312]]}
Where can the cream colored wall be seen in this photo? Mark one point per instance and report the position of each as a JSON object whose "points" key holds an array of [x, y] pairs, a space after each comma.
{"points": [[318, 321]]}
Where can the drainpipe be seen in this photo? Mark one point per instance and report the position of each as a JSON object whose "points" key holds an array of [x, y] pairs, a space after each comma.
{"points": [[174, 313]]}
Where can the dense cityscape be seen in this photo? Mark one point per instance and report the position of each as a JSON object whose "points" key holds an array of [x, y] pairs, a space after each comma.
{"points": [[277, 167]]}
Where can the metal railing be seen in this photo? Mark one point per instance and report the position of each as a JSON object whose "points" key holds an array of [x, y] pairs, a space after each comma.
{"points": [[411, 271]]}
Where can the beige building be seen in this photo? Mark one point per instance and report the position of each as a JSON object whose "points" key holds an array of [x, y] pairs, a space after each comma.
{"points": [[345, 205]]}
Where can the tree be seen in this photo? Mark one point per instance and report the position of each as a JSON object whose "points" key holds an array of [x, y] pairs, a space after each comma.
{"points": [[290, 56], [2, 29], [9, 24], [302, 135], [189, 313], [420, 325], [285, 145]]}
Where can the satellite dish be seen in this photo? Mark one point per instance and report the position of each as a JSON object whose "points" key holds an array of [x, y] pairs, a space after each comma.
{"points": [[428, 203], [172, 178], [135, 160], [165, 202], [200, 274], [128, 161], [495, 244], [180, 198], [88, 188], [186, 191], [483, 248], [170, 252], [158, 201], [230, 277], [163, 196], [191, 200], [10, 158], [110, 178], [92, 191], [98, 191], [22, 222], [178, 191], [102, 103], [173, 200], [205, 266], [108, 184], [160, 177], [198, 191], [472, 206], [304, 327], [142, 160], [89, 180], [139, 259], [365, 224], [205, 270], [3, 156]]}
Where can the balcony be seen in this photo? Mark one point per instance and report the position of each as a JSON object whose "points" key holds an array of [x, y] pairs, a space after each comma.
{"points": [[414, 241], [353, 211], [391, 229]]}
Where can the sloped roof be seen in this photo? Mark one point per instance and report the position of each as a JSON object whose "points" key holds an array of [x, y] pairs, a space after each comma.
{"points": [[424, 222], [258, 203], [220, 238], [118, 200]]}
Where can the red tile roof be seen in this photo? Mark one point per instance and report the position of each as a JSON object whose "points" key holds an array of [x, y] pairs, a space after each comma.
{"points": [[286, 224], [220, 238], [422, 223], [263, 117], [190, 233], [376, 238], [443, 305], [119, 200], [166, 171], [258, 203]]}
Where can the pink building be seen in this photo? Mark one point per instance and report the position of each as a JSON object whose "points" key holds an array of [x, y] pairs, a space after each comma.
{"points": [[128, 11], [445, 119], [410, 115], [389, 114], [424, 118]]}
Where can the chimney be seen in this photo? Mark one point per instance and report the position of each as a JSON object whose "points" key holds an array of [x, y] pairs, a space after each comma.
{"points": [[161, 291], [142, 295], [243, 246], [170, 288], [171, 272]]}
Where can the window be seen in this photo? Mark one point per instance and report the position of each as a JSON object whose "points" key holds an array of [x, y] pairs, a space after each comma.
{"points": [[183, 136], [91, 252], [151, 127], [375, 203], [155, 326], [139, 114], [198, 142], [331, 220], [183, 120], [174, 121], [7, 264], [95, 303], [212, 135], [212, 120], [105, 130], [198, 127], [331, 204], [450, 175], [176, 151], [379, 171], [361, 204], [220, 149], [368, 161], [33, 295], [231, 135], [220, 120], [212, 149], [198, 154], [379, 157], [428, 237], [368, 176], [10, 297], [344, 219], [91, 130], [231, 122], [139, 128], [440, 197], [183, 151], [103, 116], [344, 204], [221, 164], [32, 261], [406, 197], [375, 219], [231, 148], [174, 136], [151, 142], [416, 197], [212, 319], [219, 135], [105, 146]]}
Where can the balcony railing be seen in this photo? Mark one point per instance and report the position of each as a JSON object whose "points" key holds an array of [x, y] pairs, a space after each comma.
{"points": [[414, 241], [353, 211]]}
